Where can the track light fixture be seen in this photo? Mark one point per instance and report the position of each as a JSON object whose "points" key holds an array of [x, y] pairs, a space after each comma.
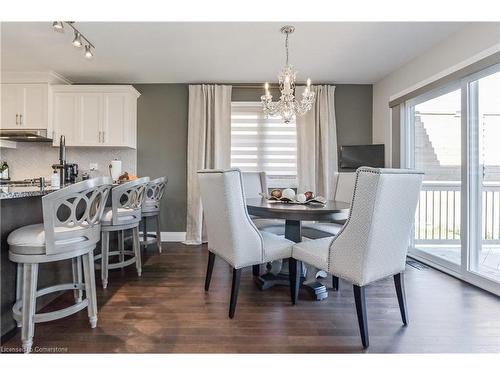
{"points": [[77, 42], [79, 38], [88, 52], [58, 26]]}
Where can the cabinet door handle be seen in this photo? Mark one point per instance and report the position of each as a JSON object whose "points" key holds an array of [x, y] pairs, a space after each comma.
{"points": [[20, 119], [103, 137], [17, 119], [99, 137]]}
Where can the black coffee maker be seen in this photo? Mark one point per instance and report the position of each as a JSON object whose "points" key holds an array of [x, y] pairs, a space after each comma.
{"points": [[70, 173]]}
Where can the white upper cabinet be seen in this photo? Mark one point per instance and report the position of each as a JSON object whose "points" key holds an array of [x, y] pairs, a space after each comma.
{"points": [[25, 106], [117, 118], [90, 125], [66, 117], [102, 116]]}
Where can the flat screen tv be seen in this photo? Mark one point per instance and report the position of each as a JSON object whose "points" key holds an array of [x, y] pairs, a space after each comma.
{"points": [[353, 157]]}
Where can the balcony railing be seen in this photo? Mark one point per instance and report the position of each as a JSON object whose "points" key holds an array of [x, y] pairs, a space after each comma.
{"points": [[437, 218]]}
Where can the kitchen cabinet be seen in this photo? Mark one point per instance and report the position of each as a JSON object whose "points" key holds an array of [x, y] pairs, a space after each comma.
{"points": [[89, 129], [95, 115], [65, 118], [25, 106]]}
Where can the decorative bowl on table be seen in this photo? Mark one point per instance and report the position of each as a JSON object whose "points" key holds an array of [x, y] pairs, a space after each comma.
{"points": [[126, 177], [289, 196]]}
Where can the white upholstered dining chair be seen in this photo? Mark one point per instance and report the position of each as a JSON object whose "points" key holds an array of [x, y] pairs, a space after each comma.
{"points": [[255, 183], [343, 193], [373, 243], [231, 233]]}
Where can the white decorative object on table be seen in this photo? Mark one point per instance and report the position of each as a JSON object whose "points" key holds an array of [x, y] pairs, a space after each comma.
{"points": [[288, 194]]}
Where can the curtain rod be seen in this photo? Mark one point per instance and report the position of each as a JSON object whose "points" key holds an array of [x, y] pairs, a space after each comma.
{"points": [[256, 86]]}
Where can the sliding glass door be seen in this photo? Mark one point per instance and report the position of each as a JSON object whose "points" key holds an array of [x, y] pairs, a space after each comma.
{"points": [[484, 115], [452, 133], [436, 126]]}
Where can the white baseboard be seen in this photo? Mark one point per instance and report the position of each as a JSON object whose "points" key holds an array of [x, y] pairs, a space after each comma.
{"points": [[171, 236]]}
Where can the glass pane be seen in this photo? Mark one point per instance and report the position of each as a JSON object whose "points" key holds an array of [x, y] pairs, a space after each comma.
{"points": [[486, 261], [437, 129]]}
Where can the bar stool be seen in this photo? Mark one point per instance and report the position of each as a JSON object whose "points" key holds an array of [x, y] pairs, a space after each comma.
{"points": [[70, 230], [124, 214], [151, 209]]}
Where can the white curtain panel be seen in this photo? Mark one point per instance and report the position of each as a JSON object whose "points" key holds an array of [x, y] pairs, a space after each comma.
{"points": [[317, 144], [209, 146]]}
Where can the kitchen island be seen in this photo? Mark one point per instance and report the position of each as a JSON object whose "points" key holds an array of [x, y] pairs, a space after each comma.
{"points": [[21, 206]]}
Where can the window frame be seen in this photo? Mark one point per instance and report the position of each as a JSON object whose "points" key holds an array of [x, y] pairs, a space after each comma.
{"points": [[470, 204]]}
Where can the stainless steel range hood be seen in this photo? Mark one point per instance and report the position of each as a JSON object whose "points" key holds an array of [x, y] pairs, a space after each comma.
{"points": [[25, 135]]}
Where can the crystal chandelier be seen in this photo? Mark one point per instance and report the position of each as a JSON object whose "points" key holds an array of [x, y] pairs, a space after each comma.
{"points": [[288, 106]]}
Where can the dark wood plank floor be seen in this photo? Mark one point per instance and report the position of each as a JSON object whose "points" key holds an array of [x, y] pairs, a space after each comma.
{"points": [[167, 311]]}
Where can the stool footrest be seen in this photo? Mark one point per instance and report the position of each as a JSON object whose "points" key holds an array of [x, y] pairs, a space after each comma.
{"points": [[125, 263], [53, 315], [151, 238], [112, 266], [114, 253]]}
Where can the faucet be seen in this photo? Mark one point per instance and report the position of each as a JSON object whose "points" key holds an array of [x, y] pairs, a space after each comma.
{"points": [[62, 160]]}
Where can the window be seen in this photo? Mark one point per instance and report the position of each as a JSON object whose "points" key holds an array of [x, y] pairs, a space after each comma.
{"points": [[260, 144], [452, 133]]}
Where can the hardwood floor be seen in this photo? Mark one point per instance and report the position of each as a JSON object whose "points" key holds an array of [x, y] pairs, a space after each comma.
{"points": [[168, 311]]}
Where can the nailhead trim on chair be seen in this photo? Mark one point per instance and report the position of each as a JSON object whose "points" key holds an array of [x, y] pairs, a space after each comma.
{"points": [[358, 172]]}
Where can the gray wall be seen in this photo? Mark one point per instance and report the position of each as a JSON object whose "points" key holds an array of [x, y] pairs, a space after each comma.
{"points": [[162, 117], [353, 110]]}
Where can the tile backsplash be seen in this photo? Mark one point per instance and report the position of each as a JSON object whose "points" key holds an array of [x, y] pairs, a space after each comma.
{"points": [[34, 159]]}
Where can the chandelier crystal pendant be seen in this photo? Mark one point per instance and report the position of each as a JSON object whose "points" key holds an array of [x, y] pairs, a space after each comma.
{"points": [[288, 106]]}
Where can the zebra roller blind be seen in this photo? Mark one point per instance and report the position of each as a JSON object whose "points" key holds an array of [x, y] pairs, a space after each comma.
{"points": [[260, 144]]}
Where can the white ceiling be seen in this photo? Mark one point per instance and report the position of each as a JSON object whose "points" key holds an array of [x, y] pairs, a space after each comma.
{"points": [[165, 52]]}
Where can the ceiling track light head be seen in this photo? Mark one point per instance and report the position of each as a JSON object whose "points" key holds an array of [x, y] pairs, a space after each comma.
{"points": [[77, 42], [58, 25], [88, 52]]}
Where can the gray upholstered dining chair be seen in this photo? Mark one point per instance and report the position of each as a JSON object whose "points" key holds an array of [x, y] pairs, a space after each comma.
{"points": [[231, 233], [124, 214], [373, 243], [70, 230], [151, 209]]}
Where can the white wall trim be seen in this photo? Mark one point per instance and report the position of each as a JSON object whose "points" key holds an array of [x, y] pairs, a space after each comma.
{"points": [[171, 236], [49, 77], [471, 60], [97, 88]]}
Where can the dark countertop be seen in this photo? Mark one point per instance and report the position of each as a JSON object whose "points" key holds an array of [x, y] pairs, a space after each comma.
{"points": [[10, 192]]}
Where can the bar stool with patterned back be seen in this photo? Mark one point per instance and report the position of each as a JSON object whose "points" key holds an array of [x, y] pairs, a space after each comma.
{"points": [[70, 230], [151, 208], [124, 214]]}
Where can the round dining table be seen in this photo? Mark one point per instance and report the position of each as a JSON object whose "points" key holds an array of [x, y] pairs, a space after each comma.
{"points": [[294, 214]]}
